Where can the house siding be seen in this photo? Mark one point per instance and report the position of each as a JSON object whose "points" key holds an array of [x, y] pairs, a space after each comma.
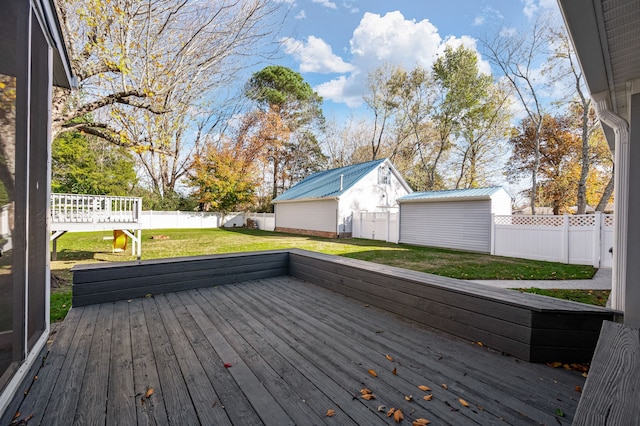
{"points": [[316, 217], [462, 225]]}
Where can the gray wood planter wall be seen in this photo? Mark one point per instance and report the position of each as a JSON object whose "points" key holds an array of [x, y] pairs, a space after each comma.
{"points": [[530, 327]]}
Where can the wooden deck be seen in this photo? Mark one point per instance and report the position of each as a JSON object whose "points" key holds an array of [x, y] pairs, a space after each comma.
{"points": [[277, 351]]}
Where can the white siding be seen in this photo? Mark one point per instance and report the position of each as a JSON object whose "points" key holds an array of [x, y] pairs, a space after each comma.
{"points": [[368, 195], [310, 215], [501, 203], [462, 225]]}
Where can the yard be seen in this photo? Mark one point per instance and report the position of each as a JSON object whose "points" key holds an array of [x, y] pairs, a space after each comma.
{"points": [[75, 248]]}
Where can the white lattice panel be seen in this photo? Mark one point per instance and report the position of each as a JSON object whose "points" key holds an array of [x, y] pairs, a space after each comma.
{"points": [[525, 220], [608, 220], [582, 220]]}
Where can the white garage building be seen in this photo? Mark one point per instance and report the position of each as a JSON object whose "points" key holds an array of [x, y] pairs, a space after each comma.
{"points": [[323, 203], [456, 219]]}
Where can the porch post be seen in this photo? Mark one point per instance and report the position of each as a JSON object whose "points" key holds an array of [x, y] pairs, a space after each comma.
{"points": [[632, 284]]}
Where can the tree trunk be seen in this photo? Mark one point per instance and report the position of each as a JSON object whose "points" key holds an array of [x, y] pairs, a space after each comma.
{"points": [[606, 195], [581, 203]]}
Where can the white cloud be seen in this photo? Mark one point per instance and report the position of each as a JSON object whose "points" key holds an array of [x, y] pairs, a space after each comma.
{"points": [[315, 56], [326, 3], [533, 7], [300, 15], [377, 40], [508, 32], [478, 21]]}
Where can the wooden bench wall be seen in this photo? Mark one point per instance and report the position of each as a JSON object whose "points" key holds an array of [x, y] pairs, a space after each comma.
{"points": [[531, 327], [98, 283]]}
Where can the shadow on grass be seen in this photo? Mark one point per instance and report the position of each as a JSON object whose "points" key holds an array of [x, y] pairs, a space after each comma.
{"points": [[67, 254]]}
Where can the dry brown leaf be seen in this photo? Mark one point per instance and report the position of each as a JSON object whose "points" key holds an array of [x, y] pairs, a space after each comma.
{"points": [[330, 413], [15, 416], [394, 371], [554, 364], [585, 374], [463, 402], [389, 357], [566, 366], [398, 416], [369, 396], [578, 388], [479, 344], [445, 387], [391, 411], [420, 422], [373, 373], [424, 388], [149, 393], [408, 397], [365, 391], [427, 397]]}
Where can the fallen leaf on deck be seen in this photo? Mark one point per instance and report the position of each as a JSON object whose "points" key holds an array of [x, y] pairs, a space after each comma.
{"points": [[420, 422], [463, 402], [394, 371], [365, 391], [408, 397], [578, 388], [330, 413], [559, 412], [387, 356], [369, 396], [373, 373], [424, 388], [398, 416], [445, 387], [15, 416], [148, 295], [391, 411], [566, 366], [585, 374], [227, 365], [427, 397], [149, 393], [479, 344], [554, 364], [381, 408]]}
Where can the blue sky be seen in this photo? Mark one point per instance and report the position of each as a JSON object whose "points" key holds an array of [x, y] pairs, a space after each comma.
{"points": [[335, 43]]}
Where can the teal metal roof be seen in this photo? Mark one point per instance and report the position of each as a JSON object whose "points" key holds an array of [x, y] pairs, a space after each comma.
{"points": [[454, 194], [326, 184]]}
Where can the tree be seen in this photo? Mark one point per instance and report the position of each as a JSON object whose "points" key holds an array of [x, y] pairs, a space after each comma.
{"points": [[288, 116], [84, 164], [224, 178], [564, 64], [556, 148], [150, 73], [517, 57]]}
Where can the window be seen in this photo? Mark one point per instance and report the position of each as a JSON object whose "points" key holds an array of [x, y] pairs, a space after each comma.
{"points": [[384, 175]]}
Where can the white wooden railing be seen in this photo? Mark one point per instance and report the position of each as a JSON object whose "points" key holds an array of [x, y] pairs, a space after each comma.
{"points": [[76, 208]]}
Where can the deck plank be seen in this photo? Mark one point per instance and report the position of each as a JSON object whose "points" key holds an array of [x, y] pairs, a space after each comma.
{"points": [[92, 405], [475, 383], [298, 396], [150, 410], [38, 397], [180, 410], [326, 346], [231, 397], [444, 348], [121, 409], [267, 407]]}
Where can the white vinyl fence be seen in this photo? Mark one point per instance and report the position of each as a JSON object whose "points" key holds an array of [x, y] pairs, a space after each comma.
{"points": [[575, 239], [383, 226], [198, 220]]}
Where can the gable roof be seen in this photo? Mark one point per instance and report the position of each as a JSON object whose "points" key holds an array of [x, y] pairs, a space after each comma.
{"points": [[452, 195], [326, 184]]}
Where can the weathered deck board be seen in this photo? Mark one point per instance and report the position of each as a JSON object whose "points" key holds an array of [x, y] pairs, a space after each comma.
{"points": [[295, 349], [474, 377], [612, 390]]}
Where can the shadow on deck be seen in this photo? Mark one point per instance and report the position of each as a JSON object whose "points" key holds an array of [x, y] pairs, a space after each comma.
{"points": [[274, 349]]}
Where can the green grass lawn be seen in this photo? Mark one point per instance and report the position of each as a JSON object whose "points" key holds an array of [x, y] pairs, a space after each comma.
{"points": [[74, 248]]}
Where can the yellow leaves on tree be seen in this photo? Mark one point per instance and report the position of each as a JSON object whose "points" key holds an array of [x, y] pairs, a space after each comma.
{"points": [[223, 178]]}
